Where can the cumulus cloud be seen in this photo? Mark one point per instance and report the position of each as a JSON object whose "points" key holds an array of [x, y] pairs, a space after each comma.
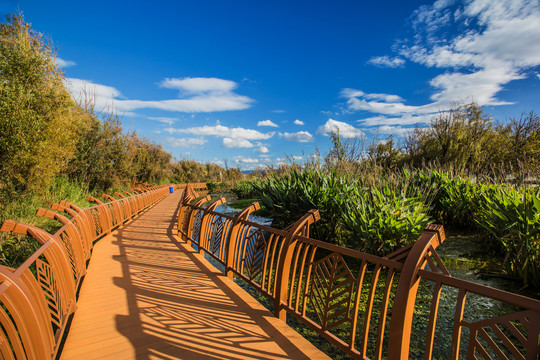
{"points": [[386, 61], [64, 63], [300, 136], [184, 142], [199, 85], [480, 45], [236, 143], [195, 95], [345, 130], [267, 123], [391, 130], [298, 122], [232, 137], [224, 131], [84, 91], [262, 150], [247, 163]]}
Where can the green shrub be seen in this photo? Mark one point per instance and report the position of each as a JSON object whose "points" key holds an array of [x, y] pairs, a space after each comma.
{"points": [[382, 221], [38, 118], [246, 189], [456, 200], [512, 216]]}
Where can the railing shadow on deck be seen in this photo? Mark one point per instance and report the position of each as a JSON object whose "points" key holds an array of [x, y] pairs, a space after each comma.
{"points": [[38, 298], [364, 304], [175, 310], [370, 307]]}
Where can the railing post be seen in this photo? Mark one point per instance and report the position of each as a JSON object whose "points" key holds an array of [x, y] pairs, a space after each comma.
{"points": [[284, 265], [187, 195], [230, 254], [402, 313]]}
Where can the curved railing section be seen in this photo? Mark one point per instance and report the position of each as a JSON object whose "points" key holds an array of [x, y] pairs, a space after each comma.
{"points": [[371, 307], [38, 297]]}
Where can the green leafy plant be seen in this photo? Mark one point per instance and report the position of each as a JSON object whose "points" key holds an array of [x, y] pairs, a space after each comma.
{"points": [[383, 221], [512, 216]]}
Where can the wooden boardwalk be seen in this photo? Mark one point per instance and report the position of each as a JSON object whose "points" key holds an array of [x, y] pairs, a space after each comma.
{"points": [[149, 296]]}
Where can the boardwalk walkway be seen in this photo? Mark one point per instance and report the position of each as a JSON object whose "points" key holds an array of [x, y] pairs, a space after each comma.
{"points": [[148, 296]]}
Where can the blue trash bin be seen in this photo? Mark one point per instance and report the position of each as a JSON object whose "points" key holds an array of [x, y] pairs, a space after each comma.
{"points": [[171, 189]]}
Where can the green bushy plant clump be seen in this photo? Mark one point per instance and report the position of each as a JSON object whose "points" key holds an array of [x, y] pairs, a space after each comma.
{"points": [[14, 250], [511, 215], [246, 189], [374, 215], [456, 201], [382, 221], [290, 196]]}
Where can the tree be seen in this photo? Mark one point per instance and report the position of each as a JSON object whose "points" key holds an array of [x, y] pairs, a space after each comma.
{"points": [[38, 118], [459, 138]]}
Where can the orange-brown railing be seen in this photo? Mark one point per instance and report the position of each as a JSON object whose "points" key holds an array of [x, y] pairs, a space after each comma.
{"points": [[370, 307], [38, 297]]}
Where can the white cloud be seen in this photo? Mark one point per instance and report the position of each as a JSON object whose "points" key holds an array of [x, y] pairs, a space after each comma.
{"points": [[496, 51], [345, 130], [279, 111], [224, 131], [296, 157], [267, 123], [298, 122], [482, 45], [64, 63], [406, 119], [386, 62], [232, 137], [199, 85], [184, 142], [538, 75], [245, 160], [391, 130], [377, 103], [165, 120], [84, 92], [199, 95], [300, 136], [262, 150], [236, 143]]}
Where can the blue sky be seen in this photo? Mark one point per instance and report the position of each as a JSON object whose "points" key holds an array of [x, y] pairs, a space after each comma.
{"points": [[253, 83]]}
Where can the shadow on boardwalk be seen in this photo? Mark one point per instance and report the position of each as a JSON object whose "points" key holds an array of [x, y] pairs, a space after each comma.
{"points": [[148, 296]]}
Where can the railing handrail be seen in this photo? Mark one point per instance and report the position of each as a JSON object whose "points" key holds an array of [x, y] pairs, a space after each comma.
{"points": [[282, 265], [35, 311]]}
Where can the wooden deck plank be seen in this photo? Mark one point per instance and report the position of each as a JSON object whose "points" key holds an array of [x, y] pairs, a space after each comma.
{"points": [[149, 296]]}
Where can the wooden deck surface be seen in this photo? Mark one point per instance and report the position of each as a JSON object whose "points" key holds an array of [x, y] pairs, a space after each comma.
{"points": [[149, 296]]}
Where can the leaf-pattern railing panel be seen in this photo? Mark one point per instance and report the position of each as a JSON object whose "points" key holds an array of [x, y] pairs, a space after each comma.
{"points": [[37, 298], [371, 307]]}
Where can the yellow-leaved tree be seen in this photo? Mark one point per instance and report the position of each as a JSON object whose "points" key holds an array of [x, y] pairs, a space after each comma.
{"points": [[38, 117]]}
